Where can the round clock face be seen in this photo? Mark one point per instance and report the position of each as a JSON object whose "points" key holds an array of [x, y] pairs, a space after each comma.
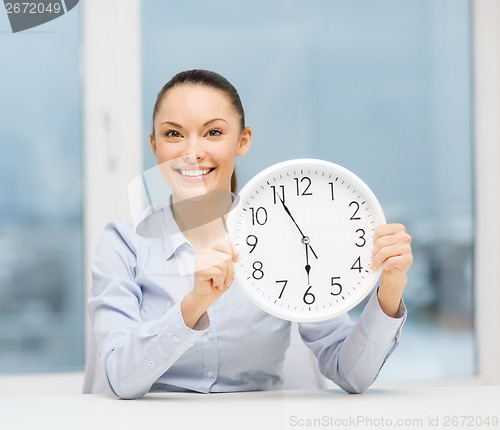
{"points": [[304, 231]]}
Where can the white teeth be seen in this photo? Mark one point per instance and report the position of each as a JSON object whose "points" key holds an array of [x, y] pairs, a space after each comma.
{"points": [[194, 172]]}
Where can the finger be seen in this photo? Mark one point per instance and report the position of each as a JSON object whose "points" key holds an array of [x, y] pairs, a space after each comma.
{"points": [[227, 247], [227, 266], [225, 262], [387, 252], [227, 251], [387, 230], [398, 262], [220, 255], [384, 254], [222, 261], [390, 240], [235, 253], [212, 274], [230, 273], [387, 236], [213, 265], [380, 256], [384, 242]]}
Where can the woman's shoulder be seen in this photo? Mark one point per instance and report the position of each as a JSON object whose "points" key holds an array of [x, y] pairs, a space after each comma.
{"points": [[121, 228], [117, 234]]}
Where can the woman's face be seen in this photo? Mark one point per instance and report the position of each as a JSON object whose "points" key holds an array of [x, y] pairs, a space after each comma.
{"points": [[197, 138]]}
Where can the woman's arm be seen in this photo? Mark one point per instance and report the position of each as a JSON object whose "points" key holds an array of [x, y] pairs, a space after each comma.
{"points": [[351, 354], [392, 252], [134, 349]]}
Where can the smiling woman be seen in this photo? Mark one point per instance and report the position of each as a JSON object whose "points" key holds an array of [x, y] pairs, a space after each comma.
{"points": [[164, 313]]}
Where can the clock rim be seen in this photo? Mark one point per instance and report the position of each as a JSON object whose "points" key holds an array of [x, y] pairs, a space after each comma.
{"points": [[370, 281]]}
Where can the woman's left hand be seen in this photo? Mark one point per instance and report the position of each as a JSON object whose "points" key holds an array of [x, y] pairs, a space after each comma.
{"points": [[391, 251]]}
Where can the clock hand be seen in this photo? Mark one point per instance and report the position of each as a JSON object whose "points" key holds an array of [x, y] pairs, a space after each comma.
{"points": [[290, 215], [304, 237], [312, 250], [308, 267]]}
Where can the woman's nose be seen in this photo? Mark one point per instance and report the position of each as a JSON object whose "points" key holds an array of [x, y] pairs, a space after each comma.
{"points": [[193, 150], [190, 158]]}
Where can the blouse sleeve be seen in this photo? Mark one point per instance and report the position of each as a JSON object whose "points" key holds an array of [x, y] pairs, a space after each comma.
{"points": [[352, 354], [133, 353]]}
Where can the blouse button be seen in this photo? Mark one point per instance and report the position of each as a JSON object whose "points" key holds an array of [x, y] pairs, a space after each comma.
{"points": [[210, 373], [175, 339], [210, 336]]}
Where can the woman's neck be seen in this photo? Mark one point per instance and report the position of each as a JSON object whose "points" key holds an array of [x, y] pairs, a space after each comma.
{"points": [[201, 218], [206, 235]]}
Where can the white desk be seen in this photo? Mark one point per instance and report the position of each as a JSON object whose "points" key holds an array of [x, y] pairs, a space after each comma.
{"points": [[402, 408]]}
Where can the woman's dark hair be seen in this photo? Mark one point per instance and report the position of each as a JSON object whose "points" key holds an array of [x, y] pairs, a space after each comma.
{"points": [[209, 79]]}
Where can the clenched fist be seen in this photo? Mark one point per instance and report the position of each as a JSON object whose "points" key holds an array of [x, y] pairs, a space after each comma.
{"points": [[214, 273]]}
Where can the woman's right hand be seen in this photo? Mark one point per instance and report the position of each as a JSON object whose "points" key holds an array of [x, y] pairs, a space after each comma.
{"points": [[214, 274]]}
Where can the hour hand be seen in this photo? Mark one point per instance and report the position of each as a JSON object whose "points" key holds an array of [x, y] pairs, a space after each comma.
{"points": [[312, 250], [308, 267]]}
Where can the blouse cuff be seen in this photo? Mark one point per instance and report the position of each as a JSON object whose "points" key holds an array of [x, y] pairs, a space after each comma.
{"points": [[174, 331], [377, 325]]}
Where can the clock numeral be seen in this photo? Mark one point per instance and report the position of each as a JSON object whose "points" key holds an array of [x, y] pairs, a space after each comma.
{"points": [[331, 189], [282, 197], [357, 265], [254, 240], [338, 288], [257, 271], [362, 237], [309, 298], [308, 181], [283, 289], [259, 215], [354, 217]]}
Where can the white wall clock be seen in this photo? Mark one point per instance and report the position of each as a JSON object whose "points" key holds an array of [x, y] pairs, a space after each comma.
{"points": [[304, 230]]}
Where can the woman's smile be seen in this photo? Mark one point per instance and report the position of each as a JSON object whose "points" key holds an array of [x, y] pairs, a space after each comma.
{"points": [[194, 173]]}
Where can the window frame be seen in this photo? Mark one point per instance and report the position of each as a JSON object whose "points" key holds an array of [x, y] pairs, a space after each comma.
{"points": [[486, 63], [112, 117]]}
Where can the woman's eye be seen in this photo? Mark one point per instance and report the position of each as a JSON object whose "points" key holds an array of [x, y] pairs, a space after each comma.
{"points": [[214, 132], [173, 134]]}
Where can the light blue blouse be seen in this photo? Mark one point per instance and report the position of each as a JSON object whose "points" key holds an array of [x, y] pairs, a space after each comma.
{"points": [[143, 344]]}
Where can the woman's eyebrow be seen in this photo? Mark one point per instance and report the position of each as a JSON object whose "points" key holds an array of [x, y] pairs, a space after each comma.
{"points": [[213, 120], [172, 123], [204, 125]]}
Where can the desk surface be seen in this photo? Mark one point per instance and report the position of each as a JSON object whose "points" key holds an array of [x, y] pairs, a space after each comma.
{"points": [[381, 408]]}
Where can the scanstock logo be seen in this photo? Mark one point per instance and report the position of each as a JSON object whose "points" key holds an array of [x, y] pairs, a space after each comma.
{"points": [[24, 15]]}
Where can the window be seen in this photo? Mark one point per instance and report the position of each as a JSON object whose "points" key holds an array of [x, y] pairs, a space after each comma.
{"points": [[41, 281], [381, 88]]}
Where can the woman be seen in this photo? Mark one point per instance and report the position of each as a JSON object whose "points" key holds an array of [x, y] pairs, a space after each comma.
{"points": [[160, 325]]}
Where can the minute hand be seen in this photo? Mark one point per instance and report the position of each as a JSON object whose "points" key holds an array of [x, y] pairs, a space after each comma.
{"points": [[291, 216]]}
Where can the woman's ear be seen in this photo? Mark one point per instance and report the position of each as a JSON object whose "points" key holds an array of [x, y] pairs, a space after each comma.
{"points": [[152, 142], [245, 141]]}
